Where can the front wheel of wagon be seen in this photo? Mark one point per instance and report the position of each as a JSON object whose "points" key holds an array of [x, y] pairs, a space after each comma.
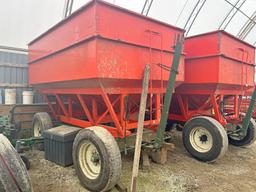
{"points": [[205, 138], [97, 159], [41, 122], [240, 140]]}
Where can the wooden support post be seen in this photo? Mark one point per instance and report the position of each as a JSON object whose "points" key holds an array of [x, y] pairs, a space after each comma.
{"points": [[159, 156], [143, 102]]}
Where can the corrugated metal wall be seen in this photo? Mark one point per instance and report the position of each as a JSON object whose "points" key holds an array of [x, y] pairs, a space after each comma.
{"points": [[14, 73]]}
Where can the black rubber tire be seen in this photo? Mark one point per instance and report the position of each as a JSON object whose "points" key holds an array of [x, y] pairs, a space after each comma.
{"points": [[170, 125], [25, 161], [219, 138], [41, 121], [13, 174], [109, 154], [248, 139]]}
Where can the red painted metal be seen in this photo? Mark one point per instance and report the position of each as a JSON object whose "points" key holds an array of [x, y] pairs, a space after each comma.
{"points": [[219, 70], [111, 111], [90, 67], [217, 62], [243, 104], [86, 46], [218, 43], [85, 108]]}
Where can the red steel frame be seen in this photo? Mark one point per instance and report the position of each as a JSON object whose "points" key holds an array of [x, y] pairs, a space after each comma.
{"points": [[85, 108], [230, 112], [243, 105]]}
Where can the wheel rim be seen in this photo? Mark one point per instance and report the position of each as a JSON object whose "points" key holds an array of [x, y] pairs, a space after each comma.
{"points": [[201, 139], [89, 160], [37, 129]]}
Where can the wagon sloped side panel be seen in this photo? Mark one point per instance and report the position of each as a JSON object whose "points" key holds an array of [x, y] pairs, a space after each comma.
{"points": [[216, 62], [102, 41]]}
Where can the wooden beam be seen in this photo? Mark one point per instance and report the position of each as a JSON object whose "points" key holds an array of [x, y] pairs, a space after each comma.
{"points": [[143, 103]]}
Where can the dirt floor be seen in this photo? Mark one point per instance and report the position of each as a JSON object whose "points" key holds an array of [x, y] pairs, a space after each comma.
{"points": [[182, 173]]}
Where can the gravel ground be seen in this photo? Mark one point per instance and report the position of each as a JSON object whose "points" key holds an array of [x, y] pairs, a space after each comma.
{"points": [[236, 171]]}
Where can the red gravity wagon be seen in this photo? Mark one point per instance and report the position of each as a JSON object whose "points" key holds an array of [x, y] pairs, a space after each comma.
{"points": [[90, 69], [219, 71]]}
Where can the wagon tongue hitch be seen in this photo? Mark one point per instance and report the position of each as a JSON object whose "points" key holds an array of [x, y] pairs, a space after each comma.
{"points": [[158, 149], [159, 141], [248, 116]]}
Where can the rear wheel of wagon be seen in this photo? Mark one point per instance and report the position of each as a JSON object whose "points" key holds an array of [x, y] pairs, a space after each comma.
{"points": [[41, 122], [205, 138], [97, 159], [240, 140], [13, 174]]}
